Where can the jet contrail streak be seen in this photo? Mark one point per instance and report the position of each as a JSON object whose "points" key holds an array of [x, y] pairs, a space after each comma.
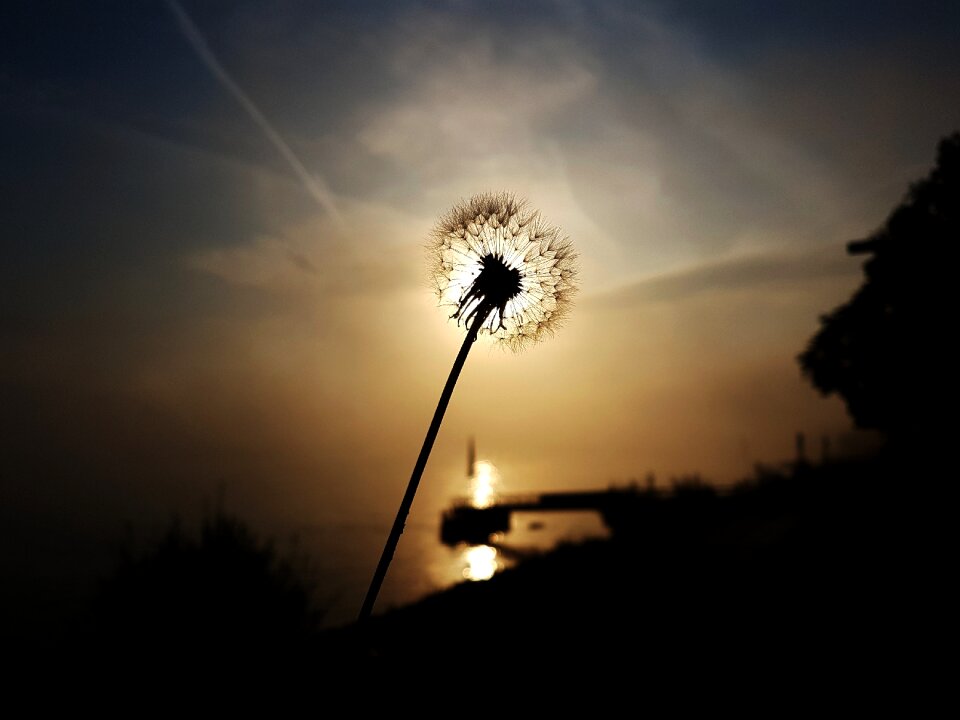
{"points": [[313, 184]]}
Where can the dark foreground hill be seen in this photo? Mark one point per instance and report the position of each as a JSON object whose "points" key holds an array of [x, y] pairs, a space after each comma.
{"points": [[847, 565], [847, 561]]}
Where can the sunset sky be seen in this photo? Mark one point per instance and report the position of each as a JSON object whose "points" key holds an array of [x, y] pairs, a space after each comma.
{"points": [[214, 216]]}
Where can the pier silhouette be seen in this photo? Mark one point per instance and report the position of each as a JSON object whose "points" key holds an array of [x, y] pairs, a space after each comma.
{"points": [[466, 523]]}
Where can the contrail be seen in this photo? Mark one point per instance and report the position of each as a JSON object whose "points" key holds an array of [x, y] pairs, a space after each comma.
{"points": [[313, 184]]}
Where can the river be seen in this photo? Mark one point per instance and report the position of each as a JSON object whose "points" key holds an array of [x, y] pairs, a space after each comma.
{"points": [[343, 557]]}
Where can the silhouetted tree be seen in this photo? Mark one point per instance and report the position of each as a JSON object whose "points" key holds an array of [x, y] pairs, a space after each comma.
{"points": [[889, 351], [225, 596]]}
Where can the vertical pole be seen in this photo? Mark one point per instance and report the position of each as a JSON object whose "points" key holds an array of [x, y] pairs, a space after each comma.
{"points": [[407, 502]]}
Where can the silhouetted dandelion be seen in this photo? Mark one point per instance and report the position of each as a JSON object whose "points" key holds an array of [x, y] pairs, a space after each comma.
{"points": [[505, 273], [493, 256]]}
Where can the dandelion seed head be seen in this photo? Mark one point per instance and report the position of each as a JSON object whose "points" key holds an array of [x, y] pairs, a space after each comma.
{"points": [[493, 257]]}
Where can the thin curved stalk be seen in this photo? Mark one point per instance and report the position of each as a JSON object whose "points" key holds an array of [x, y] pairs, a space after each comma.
{"points": [[398, 524]]}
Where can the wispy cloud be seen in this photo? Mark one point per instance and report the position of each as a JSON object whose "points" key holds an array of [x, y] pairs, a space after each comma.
{"points": [[736, 273], [291, 264], [313, 184]]}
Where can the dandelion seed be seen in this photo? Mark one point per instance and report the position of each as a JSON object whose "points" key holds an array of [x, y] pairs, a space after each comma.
{"points": [[492, 256], [505, 273]]}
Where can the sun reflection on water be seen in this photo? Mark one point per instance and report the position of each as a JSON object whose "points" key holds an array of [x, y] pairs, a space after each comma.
{"points": [[483, 484], [481, 562]]}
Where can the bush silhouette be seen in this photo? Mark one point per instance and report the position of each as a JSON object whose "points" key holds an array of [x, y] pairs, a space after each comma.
{"points": [[223, 596], [888, 351]]}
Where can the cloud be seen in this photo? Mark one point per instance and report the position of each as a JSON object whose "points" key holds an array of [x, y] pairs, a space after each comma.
{"points": [[764, 270], [312, 183], [470, 103], [373, 252]]}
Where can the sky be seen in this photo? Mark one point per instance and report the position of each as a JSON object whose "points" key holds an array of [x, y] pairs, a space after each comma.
{"points": [[214, 218]]}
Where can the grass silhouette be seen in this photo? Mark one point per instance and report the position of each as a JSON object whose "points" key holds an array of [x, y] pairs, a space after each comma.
{"points": [[224, 595], [845, 562]]}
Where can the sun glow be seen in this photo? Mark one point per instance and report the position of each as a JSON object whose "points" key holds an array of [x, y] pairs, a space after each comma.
{"points": [[496, 261]]}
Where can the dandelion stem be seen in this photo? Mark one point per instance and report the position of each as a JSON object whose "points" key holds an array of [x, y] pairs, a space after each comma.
{"points": [[407, 502]]}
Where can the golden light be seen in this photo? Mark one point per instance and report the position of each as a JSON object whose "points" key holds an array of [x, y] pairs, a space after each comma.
{"points": [[483, 484], [496, 255], [481, 562]]}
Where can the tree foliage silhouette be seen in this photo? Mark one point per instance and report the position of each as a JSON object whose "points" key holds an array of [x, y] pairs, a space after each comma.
{"points": [[889, 351]]}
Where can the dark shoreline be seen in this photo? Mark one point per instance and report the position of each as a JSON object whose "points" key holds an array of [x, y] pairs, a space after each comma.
{"points": [[848, 556], [848, 563]]}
